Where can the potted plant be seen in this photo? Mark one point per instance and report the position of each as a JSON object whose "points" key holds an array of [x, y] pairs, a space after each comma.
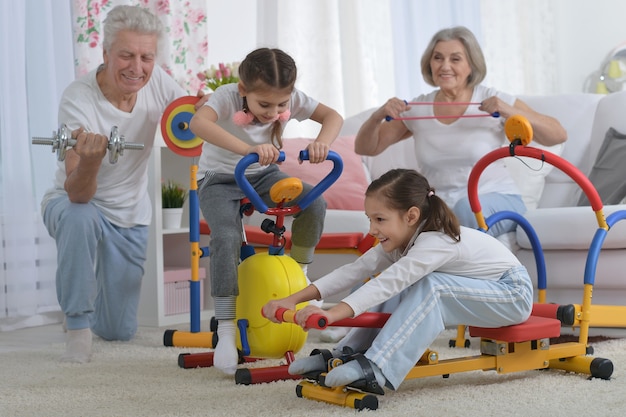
{"points": [[173, 196]]}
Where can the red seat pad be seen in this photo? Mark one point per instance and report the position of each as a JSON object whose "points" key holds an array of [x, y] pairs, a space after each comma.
{"points": [[532, 329]]}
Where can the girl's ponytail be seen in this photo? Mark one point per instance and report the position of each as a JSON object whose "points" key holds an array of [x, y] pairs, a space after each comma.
{"points": [[441, 218]]}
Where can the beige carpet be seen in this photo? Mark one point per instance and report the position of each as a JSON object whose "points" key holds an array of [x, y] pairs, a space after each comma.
{"points": [[142, 378]]}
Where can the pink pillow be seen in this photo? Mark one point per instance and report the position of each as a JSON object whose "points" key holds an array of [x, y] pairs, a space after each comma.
{"points": [[348, 192]]}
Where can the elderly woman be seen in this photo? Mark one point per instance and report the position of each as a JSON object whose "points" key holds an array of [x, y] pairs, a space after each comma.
{"points": [[447, 142]]}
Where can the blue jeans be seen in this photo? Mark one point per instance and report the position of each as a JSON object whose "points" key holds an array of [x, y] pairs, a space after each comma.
{"points": [[100, 268], [491, 203], [437, 301]]}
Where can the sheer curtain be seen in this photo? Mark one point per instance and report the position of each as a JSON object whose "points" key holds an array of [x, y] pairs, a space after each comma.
{"points": [[40, 67], [519, 42], [514, 35], [414, 23], [355, 54], [342, 48]]}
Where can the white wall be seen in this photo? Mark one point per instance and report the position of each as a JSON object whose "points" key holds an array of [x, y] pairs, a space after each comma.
{"points": [[587, 32], [232, 30]]}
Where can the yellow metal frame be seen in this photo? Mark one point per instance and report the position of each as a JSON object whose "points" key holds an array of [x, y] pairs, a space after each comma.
{"points": [[496, 355]]}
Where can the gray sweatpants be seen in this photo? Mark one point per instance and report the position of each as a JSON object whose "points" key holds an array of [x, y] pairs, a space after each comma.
{"points": [[220, 197]]}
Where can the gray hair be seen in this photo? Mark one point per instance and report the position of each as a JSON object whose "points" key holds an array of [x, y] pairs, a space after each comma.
{"points": [[472, 48], [133, 18]]}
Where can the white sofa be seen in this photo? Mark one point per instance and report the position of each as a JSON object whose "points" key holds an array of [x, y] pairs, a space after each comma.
{"points": [[565, 230]]}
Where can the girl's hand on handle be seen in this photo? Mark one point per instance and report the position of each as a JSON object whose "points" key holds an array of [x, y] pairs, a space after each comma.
{"points": [[318, 152], [268, 153], [312, 317], [309, 317], [269, 310]]}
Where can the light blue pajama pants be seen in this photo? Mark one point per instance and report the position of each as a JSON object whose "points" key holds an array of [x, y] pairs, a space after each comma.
{"points": [[100, 267], [422, 311], [491, 203]]}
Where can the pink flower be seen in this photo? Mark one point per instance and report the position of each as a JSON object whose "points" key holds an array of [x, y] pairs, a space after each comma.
{"points": [[163, 7], [94, 37], [196, 16], [201, 76]]}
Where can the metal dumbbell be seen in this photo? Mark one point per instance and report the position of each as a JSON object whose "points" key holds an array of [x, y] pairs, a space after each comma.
{"points": [[62, 141]]}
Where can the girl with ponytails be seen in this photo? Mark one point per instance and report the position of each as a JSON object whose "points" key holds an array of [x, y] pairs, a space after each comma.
{"points": [[240, 119], [430, 274]]}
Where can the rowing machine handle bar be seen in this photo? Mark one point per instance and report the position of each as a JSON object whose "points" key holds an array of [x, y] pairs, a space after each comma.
{"points": [[315, 321]]}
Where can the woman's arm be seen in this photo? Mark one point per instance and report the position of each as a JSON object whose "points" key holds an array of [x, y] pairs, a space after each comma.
{"points": [[546, 129], [376, 134]]}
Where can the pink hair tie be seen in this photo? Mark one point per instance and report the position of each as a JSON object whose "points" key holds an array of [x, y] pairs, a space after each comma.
{"points": [[284, 116], [431, 193], [242, 118]]}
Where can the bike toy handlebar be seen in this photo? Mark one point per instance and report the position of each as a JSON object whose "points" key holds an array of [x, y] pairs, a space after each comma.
{"points": [[322, 186]]}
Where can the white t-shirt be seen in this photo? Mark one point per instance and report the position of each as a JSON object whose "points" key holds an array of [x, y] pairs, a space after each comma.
{"points": [[446, 154], [122, 192], [226, 101], [478, 255]]}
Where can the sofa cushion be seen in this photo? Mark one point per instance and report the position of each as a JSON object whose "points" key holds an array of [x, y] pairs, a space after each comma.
{"points": [[571, 228], [348, 192], [609, 170], [576, 112], [530, 174]]}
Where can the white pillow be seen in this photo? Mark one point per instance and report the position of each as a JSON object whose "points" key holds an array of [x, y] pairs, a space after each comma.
{"points": [[530, 173]]}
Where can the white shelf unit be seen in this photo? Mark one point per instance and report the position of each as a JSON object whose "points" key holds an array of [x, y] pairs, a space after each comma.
{"points": [[167, 247]]}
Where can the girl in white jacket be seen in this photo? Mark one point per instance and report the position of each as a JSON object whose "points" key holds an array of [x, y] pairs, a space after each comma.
{"points": [[431, 274]]}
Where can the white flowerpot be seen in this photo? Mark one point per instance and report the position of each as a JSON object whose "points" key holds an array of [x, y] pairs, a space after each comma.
{"points": [[172, 218]]}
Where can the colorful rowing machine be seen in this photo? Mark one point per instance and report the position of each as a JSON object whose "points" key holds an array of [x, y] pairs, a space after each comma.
{"points": [[508, 349]]}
